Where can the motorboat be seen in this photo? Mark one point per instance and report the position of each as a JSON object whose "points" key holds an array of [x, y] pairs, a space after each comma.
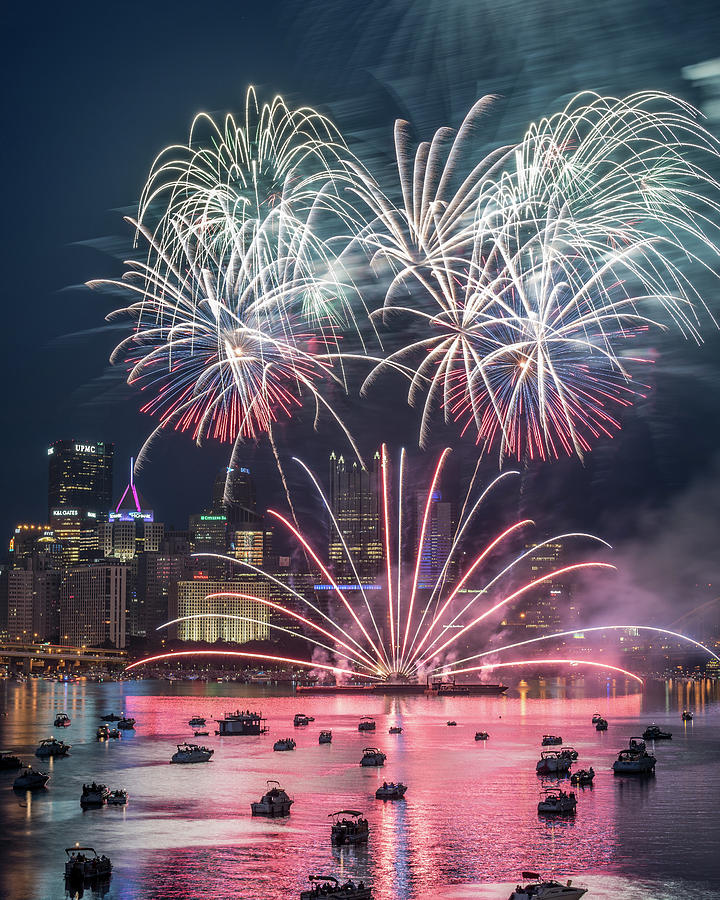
{"points": [[117, 798], [367, 723], [552, 762], [556, 802], [114, 733], [569, 751], [372, 757], [327, 887], [84, 864], [543, 889], [241, 723], [102, 733], [348, 827], [201, 734], [635, 760], [391, 791], [394, 729], [583, 776], [655, 733], [596, 718], [30, 780], [550, 740], [601, 724], [481, 735], [94, 795], [191, 753], [52, 747], [452, 722], [284, 744], [300, 720], [196, 722], [62, 720], [9, 761], [111, 717], [325, 737], [274, 802], [687, 716], [126, 724]]}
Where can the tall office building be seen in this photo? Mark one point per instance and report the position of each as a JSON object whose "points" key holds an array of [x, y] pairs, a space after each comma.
{"points": [[548, 607], [79, 494], [438, 539], [130, 528], [93, 601], [355, 503]]}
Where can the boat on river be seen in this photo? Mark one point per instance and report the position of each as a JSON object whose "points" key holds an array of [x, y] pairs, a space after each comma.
{"points": [[552, 762], [373, 757], [102, 733], [84, 864], [126, 724], [191, 753], [687, 716], [550, 740], [62, 720], [348, 827], [635, 760], [366, 723], [601, 724], [274, 802], [557, 802], [655, 733], [94, 795], [583, 777], [9, 761], [327, 887], [196, 722], [300, 719], [30, 780], [52, 747], [241, 723], [391, 791], [284, 744], [546, 889], [569, 751], [596, 718], [325, 737], [118, 797], [481, 735], [395, 729]]}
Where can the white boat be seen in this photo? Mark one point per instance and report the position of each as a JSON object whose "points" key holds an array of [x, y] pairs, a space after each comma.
{"points": [[552, 762], [391, 791], [52, 747], [635, 760], [30, 780], [84, 864], [126, 724], [300, 720], [546, 889], [556, 802], [274, 802], [327, 887], [196, 722], [284, 744], [366, 723], [94, 794], [191, 753], [373, 757], [62, 720], [325, 737], [117, 798], [348, 827]]}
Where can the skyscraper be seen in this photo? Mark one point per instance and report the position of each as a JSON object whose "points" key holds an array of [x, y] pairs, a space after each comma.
{"points": [[438, 539], [93, 605], [355, 503]]}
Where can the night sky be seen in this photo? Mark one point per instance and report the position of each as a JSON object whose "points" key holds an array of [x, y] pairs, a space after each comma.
{"points": [[93, 92]]}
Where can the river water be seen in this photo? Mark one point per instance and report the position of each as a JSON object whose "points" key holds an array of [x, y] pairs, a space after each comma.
{"points": [[467, 828]]}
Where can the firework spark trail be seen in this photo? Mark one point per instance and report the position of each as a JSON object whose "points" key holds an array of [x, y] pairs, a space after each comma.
{"points": [[579, 630], [529, 282], [388, 554], [548, 662]]}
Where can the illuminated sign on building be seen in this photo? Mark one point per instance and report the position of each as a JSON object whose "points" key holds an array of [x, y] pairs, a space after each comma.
{"points": [[131, 515], [212, 518], [51, 450], [85, 448], [65, 512]]}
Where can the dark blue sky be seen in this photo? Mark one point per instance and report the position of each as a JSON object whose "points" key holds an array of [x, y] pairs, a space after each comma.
{"points": [[93, 91]]}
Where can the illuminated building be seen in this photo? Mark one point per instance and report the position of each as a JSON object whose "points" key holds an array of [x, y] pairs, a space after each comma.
{"points": [[158, 574], [547, 608], [130, 528], [32, 539], [355, 503], [438, 539], [79, 494], [208, 532], [93, 605], [192, 598], [20, 604]]}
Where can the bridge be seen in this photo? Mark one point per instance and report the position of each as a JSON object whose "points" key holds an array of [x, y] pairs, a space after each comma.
{"points": [[48, 655]]}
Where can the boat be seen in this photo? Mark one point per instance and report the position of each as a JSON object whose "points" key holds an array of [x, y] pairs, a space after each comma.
{"points": [[550, 740], [102, 733], [452, 722], [196, 722], [557, 802], [83, 867], [367, 723], [373, 757], [325, 737], [114, 733], [300, 720], [481, 735], [52, 747], [569, 751], [284, 744], [117, 798], [62, 720], [126, 724], [9, 761], [687, 716], [241, 723], [201, 733], [596, 718], [552, 762], [391, 791], [30, 780], [111, 717], [542, 889], [655, 733], [441, 688], [191, 753], [94, 795], [274, 802], [327, 887], [635, 760], [348, 827], [394, 729], [601, 724], [583, 776]]}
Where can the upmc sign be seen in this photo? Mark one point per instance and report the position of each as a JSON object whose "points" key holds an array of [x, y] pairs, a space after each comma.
{"points": [[85, 448]]}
